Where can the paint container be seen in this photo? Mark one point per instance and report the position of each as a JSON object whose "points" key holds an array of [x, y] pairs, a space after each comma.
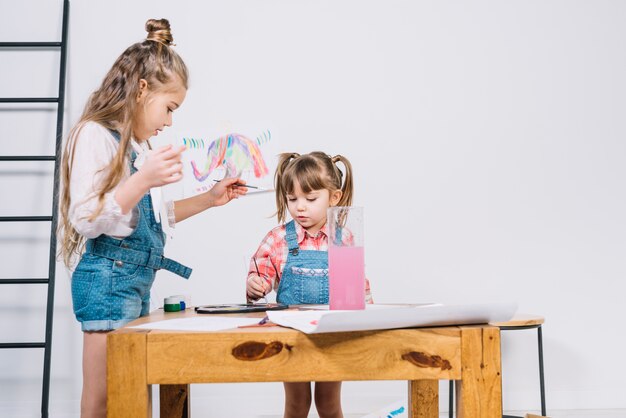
{"points": [[182, 299], [171, 304]]}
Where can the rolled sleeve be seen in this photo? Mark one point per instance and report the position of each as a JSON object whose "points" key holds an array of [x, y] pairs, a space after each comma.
{"points": [[171, 214], [262, 262], [108, 222]]}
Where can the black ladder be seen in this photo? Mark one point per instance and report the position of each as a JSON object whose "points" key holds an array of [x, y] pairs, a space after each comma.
{"points": [[49, 281]]}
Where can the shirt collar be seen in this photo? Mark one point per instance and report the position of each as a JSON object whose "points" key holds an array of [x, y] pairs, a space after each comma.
{"points": [[301, 233], [141, 151], [139, 147]]}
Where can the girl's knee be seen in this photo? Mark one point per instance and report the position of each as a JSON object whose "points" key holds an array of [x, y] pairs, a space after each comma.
{"points": [[297, 399], [327, 408], [328, 399], [296, 410]]}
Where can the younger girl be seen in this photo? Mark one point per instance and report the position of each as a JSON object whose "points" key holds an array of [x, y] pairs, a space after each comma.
{"points": [[110, 203], [293, 257]]}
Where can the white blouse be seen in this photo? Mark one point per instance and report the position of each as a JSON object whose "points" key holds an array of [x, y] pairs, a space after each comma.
{"points": [[94, 150]]}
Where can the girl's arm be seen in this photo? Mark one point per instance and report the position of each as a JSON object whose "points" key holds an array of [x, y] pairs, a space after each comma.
{"points": [[262, 273], [220, 194], [94, 148]]}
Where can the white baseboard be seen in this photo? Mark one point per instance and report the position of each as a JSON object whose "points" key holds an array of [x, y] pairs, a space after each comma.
{"points": [[358, 398]]}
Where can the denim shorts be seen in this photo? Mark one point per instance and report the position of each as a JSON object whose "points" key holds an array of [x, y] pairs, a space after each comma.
{"points": [[107, 294]]}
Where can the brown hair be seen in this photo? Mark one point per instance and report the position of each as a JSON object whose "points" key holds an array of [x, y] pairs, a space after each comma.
{"points": [[114, 106], [313, 171]]}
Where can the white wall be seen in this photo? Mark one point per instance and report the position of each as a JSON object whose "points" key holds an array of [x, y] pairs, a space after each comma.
{"points": [[486, 138]]}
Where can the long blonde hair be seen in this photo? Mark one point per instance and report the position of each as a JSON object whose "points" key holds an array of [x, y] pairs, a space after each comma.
{"points": [[313, 171], [114, 106]]}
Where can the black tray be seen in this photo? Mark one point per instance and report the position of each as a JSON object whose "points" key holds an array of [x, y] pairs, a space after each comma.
{"points": [[240, 307]]}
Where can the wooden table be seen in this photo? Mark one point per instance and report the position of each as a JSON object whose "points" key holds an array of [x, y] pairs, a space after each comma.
{"points": [[138, 358]]}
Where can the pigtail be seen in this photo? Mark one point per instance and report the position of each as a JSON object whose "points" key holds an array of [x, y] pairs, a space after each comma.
{"points": [[281, 194], [347, 188]]}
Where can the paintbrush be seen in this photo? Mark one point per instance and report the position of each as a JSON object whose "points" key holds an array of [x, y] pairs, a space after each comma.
{"points": [[240, 185], [256, 266]]}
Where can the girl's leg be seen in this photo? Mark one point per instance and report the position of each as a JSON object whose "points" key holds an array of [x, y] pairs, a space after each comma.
{"points": [[328, 399], [297, 399], [94, 400]]}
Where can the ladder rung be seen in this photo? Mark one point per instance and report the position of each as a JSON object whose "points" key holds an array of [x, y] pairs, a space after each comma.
{"points": [[25, 218], [24, 281], [29, 99], [22, 345], [30, 44], [27, 158]]}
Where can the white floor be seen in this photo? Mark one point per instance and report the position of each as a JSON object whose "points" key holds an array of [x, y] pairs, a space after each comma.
{"points": [[615, 413]]}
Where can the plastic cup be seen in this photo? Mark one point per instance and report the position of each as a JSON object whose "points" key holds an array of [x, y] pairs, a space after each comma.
{"points": [[346, 258]]}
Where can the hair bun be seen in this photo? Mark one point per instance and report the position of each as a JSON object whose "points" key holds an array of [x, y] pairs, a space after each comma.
{"points": [[159, 31]]}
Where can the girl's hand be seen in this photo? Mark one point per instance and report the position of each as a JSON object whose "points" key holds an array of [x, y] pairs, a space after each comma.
{"points": [[226, 190], [221, 193], [162, 166], [256, 287]]}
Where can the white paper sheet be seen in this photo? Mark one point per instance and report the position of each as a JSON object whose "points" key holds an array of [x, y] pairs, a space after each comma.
{"points": [[388, 317], [209, 323]]}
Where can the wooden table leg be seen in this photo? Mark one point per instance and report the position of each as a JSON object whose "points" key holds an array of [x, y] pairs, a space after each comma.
{"points": [[479, 393], [128, 393], [174, 401], [423, 399]]}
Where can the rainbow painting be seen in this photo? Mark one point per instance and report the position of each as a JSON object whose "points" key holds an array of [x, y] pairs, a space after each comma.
{"points": [[234, 153]]}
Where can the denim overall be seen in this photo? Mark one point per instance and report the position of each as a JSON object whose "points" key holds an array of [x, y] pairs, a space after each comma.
{"points": [[305, 276], [111, 283]]}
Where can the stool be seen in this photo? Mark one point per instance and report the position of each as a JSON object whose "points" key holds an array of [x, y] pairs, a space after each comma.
{"points": [[519, 321]]}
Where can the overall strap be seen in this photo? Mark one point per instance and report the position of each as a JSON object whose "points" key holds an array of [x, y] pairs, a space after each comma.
{"points": [[292, 238], [133, 154], [116, 135], [153, 258]]}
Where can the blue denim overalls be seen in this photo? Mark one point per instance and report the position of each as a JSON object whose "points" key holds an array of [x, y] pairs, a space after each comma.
{"points": [[305, 276], [111, 283]]}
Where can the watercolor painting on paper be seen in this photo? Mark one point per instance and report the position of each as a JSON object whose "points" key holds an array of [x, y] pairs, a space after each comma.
{"points": [[233, 154]]}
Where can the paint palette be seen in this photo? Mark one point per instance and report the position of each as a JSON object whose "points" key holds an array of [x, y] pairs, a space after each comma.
{"points": [[240, 307]]}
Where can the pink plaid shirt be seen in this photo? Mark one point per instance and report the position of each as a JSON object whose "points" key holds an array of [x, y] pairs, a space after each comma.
{"points": [[271, 255]]}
